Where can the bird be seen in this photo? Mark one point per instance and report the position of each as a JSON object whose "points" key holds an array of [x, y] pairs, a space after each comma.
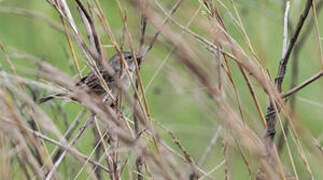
{"points": [[92, 83]]}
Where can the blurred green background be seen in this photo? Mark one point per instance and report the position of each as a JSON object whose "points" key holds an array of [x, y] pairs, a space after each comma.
{"points": [[173, 104]]}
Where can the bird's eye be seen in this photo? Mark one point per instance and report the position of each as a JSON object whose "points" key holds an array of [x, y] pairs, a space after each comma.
{"points": [[128, 57]]}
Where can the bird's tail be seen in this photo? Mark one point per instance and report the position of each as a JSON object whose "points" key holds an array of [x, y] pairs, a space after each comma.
{"points": [[50, 97]]}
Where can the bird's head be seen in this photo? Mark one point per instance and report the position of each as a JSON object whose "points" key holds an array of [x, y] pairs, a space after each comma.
{"points": [[128, 57]]}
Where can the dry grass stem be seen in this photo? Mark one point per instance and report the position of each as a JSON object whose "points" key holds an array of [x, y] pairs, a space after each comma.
{"points": [[213, 81]]}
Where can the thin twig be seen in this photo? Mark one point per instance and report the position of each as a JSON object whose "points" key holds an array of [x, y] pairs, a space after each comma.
{"points": [[209, 147], [170, 51], [172, 11], [187, 156], [317, 32], [303, 84], [302, 154], [244, 32], [226, 160], [285, 38], [60, 159], [67, 148], [142, 35], [287, 145], [96, 40], [214, 169], [105, 149], [75, 61], [68, 135], [284, 60], [89, 158]]}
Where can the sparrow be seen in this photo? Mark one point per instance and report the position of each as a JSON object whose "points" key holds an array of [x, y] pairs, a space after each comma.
{"points": [[92, 84]]}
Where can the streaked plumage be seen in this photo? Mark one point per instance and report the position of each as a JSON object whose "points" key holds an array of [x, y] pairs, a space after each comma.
{"points": [[93, 84]]}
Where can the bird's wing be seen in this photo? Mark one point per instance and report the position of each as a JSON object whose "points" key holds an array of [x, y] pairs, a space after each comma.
{"points": [[93, 82]]}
